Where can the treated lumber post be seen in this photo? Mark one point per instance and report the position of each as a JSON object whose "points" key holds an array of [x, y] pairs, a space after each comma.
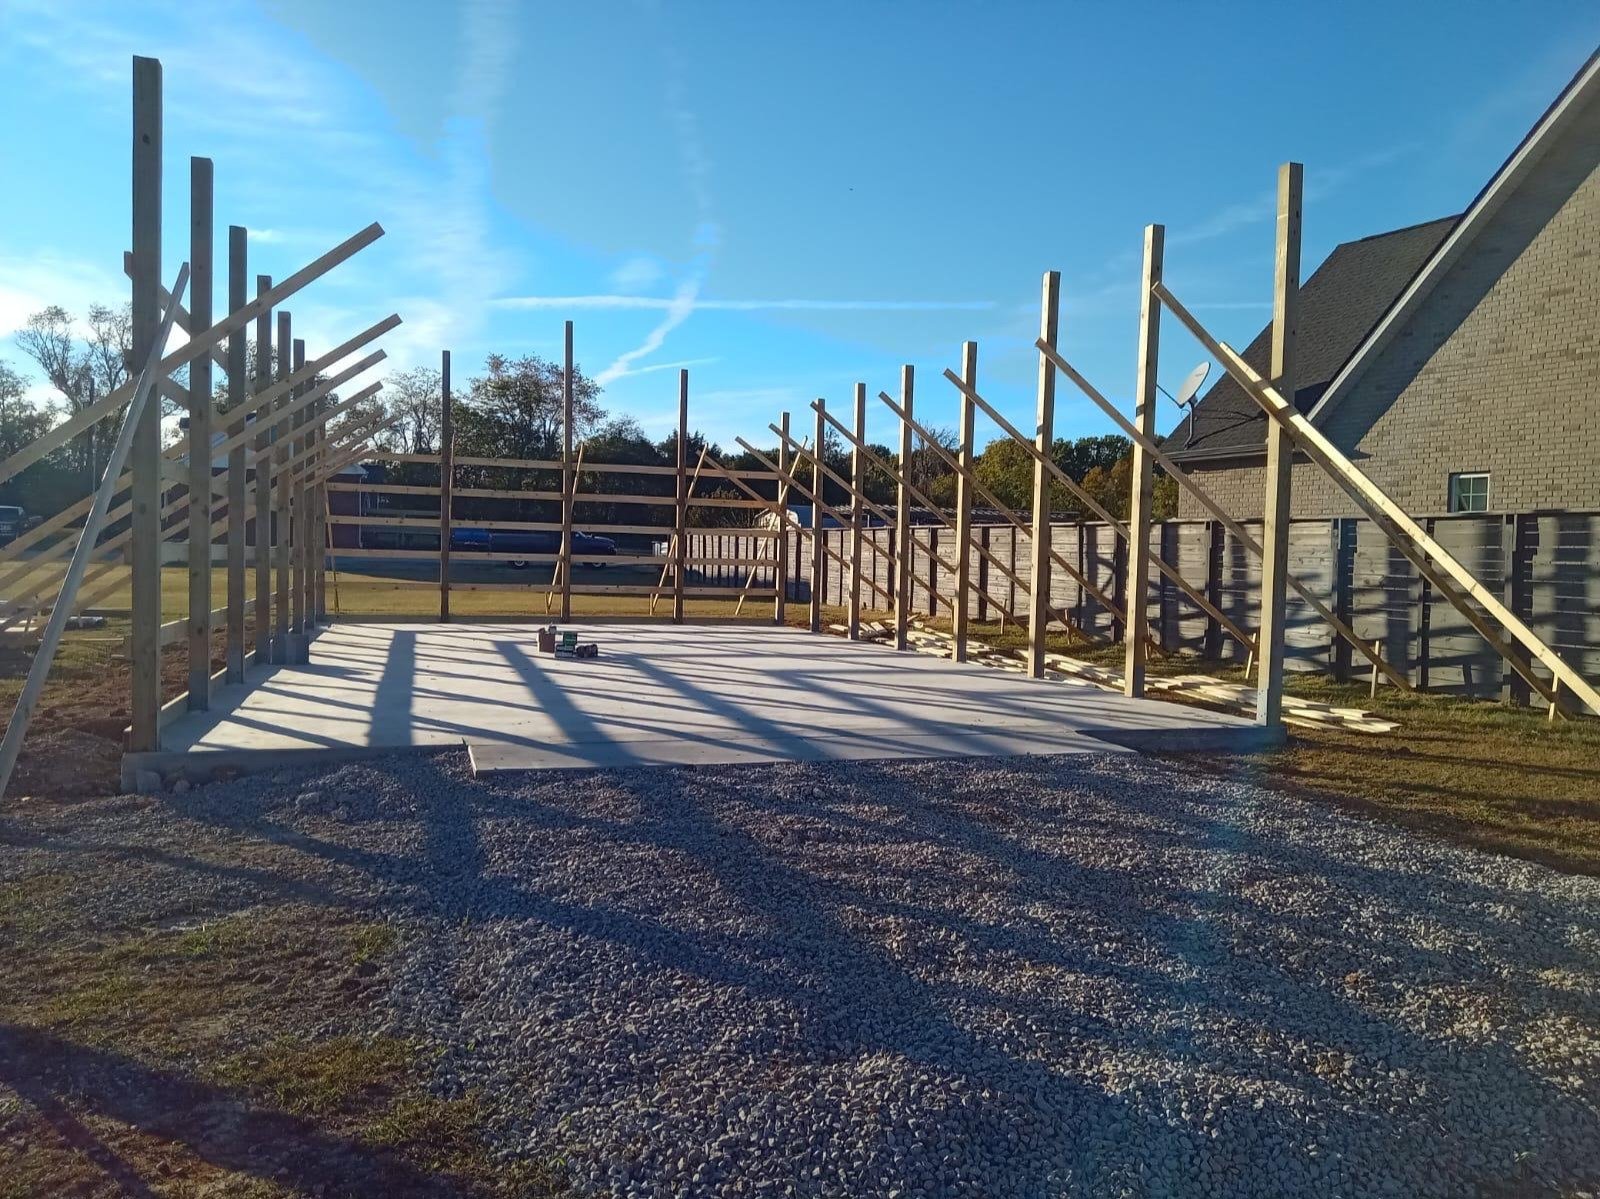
{"points": [[1043, 438], [297, 512], [902, 515], [282, 476], [263, 469], [1142, 483], [200, 408], [1280, 452], [447, 484], [816, 520], [681, 507], [858, 483], [958, 615], [145, 451], [569, 477], [316, 558], [238, 296], [780, 601]]}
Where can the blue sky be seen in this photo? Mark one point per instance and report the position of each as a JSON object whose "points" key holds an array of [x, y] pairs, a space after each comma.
{"points": [[786, 198]]}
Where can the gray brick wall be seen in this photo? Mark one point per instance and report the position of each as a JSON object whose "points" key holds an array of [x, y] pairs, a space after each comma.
{"points": [[1498, 372]]}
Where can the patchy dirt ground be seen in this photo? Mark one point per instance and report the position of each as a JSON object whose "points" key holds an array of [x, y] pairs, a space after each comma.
{"points": [[74, 744], [995, 977], [188, 1011]]}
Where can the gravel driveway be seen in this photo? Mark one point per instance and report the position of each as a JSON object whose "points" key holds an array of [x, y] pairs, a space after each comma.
{"points": [[999, 977]]}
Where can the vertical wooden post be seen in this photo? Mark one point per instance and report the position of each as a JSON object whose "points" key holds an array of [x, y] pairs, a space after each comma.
{"points": [[297, 510], [902, 515], [316, 522], [1280, 452], [858, 484], [816, 520], [569, 477], [263, 472], [201, 283], [780, 601], [1142, 483], [447, 484], [967, 458], [238, 392], [308, 522], [983, 572], [280, 465], [681, 508], [1043, 440], [145, 454]]}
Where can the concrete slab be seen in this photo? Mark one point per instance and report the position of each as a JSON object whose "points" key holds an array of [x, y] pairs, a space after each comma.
{"points": [[657, 695]]}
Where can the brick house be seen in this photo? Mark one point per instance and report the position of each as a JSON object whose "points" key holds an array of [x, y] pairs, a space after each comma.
{"points": [[1457, 362]]}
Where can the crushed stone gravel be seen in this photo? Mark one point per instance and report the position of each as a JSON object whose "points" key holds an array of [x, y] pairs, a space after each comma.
{"points": [[1096, 975]]}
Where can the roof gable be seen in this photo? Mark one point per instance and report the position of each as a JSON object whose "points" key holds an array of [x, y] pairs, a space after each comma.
{"points": [[1339, 304], [1578, 101]]}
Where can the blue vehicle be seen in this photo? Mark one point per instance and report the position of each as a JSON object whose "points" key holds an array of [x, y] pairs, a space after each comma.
{"points": [[585, 547]]}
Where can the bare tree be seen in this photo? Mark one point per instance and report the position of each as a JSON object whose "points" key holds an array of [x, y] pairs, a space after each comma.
{"points": [[83, 371], [416, 397]]}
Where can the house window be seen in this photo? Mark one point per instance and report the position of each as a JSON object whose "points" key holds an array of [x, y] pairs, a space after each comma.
{"points": [[1469, 492]]}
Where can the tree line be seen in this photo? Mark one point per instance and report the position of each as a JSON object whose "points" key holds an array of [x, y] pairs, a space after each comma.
{"points": [[513, 409]]}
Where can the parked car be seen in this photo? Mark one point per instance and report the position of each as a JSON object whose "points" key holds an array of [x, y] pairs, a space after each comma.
{"points": [[14, 522], [585, 546]]}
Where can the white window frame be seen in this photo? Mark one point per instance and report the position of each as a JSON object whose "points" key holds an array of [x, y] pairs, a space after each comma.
{"points": [[1461, 476]]}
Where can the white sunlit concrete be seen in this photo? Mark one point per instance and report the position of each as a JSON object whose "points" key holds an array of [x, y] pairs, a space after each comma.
{"points": [[658, 694]]}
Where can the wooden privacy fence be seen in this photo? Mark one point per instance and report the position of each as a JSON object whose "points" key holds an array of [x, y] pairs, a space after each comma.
{"points": [[1545, 566]]}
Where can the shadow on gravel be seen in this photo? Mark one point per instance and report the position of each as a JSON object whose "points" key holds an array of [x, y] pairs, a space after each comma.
{"points": [[226, 1129], [1178, 914]]}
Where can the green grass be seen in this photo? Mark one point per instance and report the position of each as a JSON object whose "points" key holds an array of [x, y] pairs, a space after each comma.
{"points": [[237, 1009]]}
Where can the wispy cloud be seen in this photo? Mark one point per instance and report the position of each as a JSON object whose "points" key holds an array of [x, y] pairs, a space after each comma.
{"points": [[1321, 182], [676, 303], [670, 366], [639, 273], [707, 233], [678, 310]]}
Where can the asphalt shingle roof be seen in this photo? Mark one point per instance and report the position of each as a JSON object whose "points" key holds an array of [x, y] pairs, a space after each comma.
{"points": [[1339, 305]]}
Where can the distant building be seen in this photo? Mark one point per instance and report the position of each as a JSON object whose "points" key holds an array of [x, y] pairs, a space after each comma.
{"points": [[1456, 362]]}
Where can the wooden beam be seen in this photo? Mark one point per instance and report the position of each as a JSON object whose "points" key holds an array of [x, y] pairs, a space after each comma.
{"points": [[447, 482], [858, 486], [200, 411], [904, 547], [815, 611], [1280, 452], [781, 599], [681, 508], [1044, 433], [145, 448], [900, 476], [569, 476], [145, 394], [297, 510], [807, 494], [263, 485], [280, 510], [238, 388], [998, 505], [1186, 482], [1142, 481], [1093, 505], [1448, 576], [967, 432], [198, 344]]}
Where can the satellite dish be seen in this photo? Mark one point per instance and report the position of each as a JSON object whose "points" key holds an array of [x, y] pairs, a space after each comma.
{"points": [[1191, 385], [1185, 397]]}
